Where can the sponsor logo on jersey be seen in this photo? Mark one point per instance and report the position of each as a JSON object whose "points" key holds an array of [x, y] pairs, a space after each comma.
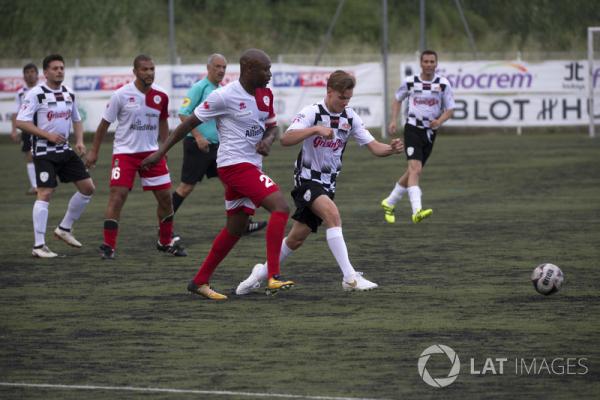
{"points": [[138, 125], [332, 144], [206, 105], [242, 105], [55, 115], [266, 100], [427, 101], [186, 102], [254, 131], [100, 82], [157, 99]]}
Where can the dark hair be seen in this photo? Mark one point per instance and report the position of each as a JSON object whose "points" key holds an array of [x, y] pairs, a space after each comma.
{"points": [[30, 66], [428, 53], [340, 81], [50, 58], [139, 59]]}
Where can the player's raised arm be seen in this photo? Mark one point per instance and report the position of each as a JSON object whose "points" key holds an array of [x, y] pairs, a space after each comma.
{"points": [[182, 129]]}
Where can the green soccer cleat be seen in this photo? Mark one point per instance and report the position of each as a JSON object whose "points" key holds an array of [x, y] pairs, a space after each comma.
{"points": [[421, 215], [389, 212]]}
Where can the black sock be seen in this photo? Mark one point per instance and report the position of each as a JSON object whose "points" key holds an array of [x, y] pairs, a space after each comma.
{"points": [[177, 200]]}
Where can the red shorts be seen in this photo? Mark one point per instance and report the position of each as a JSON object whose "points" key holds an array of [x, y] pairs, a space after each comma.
{"points": [[246, 187], [125, 166]]}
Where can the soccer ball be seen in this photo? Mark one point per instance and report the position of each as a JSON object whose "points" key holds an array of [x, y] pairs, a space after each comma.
{"points": [[547, 278]]}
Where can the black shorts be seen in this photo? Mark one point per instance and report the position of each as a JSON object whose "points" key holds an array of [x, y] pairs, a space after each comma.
{"points": [[304, 195], [25, 142], [67, 166], [197, 163], [418, 143]]}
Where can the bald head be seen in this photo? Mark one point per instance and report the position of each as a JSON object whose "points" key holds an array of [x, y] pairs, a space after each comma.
{"points": [[255, 69]]}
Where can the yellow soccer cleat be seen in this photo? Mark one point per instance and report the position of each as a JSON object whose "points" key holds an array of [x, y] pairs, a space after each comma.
{"points": [[421, 215], [389, 212], [205, 291], [277, 283]]}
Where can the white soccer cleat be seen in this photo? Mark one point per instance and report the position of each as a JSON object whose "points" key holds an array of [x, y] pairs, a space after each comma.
{"points": [[66, 237], [252, 282], [43, 252], [358, 283]]}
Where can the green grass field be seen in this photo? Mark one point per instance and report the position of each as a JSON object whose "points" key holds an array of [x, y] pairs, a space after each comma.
{"points": [[502, 204]]}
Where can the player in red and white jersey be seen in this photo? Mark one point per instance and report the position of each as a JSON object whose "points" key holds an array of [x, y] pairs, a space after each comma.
{"points": [[47, 113], [247, 126], [141, 111]]}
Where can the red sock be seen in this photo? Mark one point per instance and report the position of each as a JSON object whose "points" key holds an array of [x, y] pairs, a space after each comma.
{"points": [[111, 231], [223, 243], [165, 230], [275, 234]]}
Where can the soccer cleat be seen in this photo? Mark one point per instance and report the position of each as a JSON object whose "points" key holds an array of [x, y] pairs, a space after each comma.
{"points": [[254, 226], [358, 283], [43, 252], [251, 283], [389, 211], [421, 215], [277, 283], [106, 252], [172, 248], [66, 236], [205, 291]]}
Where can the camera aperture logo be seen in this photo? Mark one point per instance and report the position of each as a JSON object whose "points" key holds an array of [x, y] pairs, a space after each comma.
{"points": [[454, 369]]}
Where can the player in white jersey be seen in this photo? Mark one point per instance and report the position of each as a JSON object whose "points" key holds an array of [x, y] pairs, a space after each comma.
{"points": [[30, 76], [141, 110], [47, 113], [247, 125], [324, 130], [430, 104]]}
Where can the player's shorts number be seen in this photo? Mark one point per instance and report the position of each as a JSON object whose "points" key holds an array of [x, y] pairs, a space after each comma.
{"points": [[267, 181], [115, 173]]}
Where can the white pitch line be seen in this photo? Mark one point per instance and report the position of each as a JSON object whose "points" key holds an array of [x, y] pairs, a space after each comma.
{"points": [[185, 391]]}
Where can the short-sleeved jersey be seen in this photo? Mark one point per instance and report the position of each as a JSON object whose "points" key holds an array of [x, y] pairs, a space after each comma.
{"points": [[427, 100], [52, 111], [137, 115], [20, 97], [196, 95], [320, 160], [242, 120]]}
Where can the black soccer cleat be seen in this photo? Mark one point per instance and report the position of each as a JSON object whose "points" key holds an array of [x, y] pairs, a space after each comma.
{"points": [[254, 226], [106, 252], [173, 248]]}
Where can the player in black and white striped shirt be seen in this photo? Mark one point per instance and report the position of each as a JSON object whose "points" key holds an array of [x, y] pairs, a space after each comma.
{"points": [[47, 113], [30, 76], [430, 104], [324, 130]]}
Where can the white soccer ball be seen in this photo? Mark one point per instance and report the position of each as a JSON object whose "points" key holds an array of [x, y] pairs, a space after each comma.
{"points": [[547, 278]]}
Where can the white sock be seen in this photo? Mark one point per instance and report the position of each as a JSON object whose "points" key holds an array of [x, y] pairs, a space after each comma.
{"points": [[40, 221], [396, 194], [263, 272], [337, 245], [76, 206], [31, 174], [414, 194]]}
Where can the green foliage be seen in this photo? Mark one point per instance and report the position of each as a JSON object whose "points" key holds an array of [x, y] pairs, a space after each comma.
{"points": [[119, 28]]}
